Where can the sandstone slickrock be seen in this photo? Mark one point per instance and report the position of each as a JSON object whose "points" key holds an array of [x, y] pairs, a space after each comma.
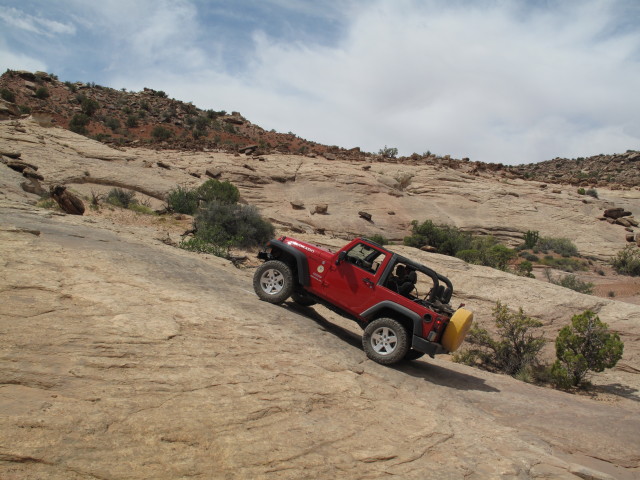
{"points": [[124, 357]]}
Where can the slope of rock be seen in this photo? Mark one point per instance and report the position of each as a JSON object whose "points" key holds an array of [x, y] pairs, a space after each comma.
{"points": [[125, 358]]}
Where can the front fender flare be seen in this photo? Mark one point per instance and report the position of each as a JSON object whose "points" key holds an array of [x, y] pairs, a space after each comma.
{"points": [[302, 262]]}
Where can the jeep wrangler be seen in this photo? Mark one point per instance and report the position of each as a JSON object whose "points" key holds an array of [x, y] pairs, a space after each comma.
{"points": [[403, 306]]}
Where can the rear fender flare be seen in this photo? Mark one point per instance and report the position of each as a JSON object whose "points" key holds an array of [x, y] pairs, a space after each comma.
{"points": [[388, 305]]}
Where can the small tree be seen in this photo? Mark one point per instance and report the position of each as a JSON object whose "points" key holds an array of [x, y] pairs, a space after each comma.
{"points": [[516, 348], [42, 93], [388, 152], [585, 345], [531, 238], [223, 192], [627, 261]]}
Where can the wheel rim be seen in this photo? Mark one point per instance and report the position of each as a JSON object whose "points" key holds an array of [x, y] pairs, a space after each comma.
{"points": [[272, 281], [384, 341]]}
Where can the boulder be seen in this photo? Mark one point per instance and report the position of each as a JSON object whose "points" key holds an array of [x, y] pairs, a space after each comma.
{"points": [[67, 200], [297, 205], [616, 212], [32, 185], [365, 215], [213, 172], [29, 172], [321, 208]]}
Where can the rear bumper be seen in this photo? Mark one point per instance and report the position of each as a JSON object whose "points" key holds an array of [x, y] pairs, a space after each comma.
{"points": [[425, 346]]}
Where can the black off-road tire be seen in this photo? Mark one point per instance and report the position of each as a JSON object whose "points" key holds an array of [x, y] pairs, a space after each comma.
{"points": [[273, 281], [412, 355], [302, 299], [385, 341]]}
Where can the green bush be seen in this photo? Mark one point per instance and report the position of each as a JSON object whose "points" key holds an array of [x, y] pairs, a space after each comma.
{"points": [[627, 261], [42, 93], [89, 106], [592, 192], [121, 198], [561, 246], [7, 95], [78, 123], [531, 238], [112, 123], [488, 252], [446, 239], [199, 245], [222, 192], [565, 264], [379, 239], [237, 225], [585, 345], [182, 200], [581, 191], [132, 122], [574, 283], [161, 133], [24, 109], [514, 351], [525, 269]]}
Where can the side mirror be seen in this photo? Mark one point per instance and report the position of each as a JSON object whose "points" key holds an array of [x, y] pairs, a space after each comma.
{"points": [[341, 256]]}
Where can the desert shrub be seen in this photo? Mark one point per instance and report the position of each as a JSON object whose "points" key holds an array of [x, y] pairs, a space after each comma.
{"points": [[223, 192], [585, 345], [121, 198], [530, 257], [140, 208], [581, 191], [388, 152], [446, 239], [195, 244], [574, 283], [78, 123], [237, 225], [627, 261], [449, 240], [379, 239], [561, 246], [132, 122], [565, 264], [182, 200], [161, 133], [515, 350], [488, 252], [89, 106], [24, 109], [71, 86], [531, 238], [592, 192], [42, 93], [525, 269], [7, 95], [112, 123]]}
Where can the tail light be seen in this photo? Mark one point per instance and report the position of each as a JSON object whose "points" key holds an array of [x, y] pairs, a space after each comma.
{"points": [[435, 331]]}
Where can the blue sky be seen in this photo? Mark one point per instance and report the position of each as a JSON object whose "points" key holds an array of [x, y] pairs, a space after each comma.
{"points": [[494, 80]]}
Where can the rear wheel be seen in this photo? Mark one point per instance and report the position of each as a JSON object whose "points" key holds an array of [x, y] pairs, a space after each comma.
{"points": [[385, 341], [273, 281]]}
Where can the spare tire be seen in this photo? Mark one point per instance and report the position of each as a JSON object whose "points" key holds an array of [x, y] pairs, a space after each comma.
{"points": [[457, 329]]}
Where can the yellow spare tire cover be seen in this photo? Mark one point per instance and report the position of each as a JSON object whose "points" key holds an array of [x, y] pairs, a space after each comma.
{"points": [[457, 329]]}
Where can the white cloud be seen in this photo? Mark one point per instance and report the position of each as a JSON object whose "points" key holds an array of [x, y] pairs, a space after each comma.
{"points": [[18, 61], [496, 81], [38, 25]]}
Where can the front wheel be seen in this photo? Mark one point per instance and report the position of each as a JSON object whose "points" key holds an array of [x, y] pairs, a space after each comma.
{"points": [[385, 341], [273, 281]]}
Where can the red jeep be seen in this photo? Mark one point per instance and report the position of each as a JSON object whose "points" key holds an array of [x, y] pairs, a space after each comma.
{"points": [[402, 305]]}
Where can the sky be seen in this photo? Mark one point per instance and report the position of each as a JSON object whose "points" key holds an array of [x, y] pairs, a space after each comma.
{"points": [[497, 81]]}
